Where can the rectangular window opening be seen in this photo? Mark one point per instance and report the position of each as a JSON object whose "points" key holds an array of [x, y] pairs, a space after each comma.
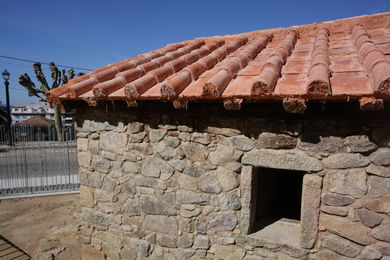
{"points": [[276, 204]]}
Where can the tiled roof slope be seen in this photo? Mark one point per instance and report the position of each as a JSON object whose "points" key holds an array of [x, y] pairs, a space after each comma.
{"points": [[36, 121], [337, 60]]}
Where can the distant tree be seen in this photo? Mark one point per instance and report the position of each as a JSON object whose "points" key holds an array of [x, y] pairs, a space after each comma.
{"points": [[58, 78]]}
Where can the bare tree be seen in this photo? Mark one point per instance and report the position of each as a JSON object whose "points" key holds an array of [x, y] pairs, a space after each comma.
{"points": [[58, 78]]}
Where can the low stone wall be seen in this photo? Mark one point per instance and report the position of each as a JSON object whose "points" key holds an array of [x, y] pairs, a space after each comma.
{"points": [[177, 186]]}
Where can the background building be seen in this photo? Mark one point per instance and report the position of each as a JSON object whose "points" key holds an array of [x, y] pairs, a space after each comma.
{"points": [[21, 113]]}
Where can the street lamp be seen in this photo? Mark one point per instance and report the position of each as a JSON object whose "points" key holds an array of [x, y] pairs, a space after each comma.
{"points": [[6, 77]]}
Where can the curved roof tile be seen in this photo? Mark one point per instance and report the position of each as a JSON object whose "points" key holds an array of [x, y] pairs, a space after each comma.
{"points": [[337, 60]]}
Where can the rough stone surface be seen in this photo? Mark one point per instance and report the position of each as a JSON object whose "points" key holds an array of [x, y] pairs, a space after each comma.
{"points": [[241, 143], [184, 241], [222, 221], [339, 211], [275, 141], [378, 170], [161, 224], [186, 182], [345, 160], [350, 182], [227, 179], [113, 139], [360, 143], [381, 157], [189, 211], [202, 242], [84, 159], [382, 232], [222, 155], [191, 197], [343, 227], [100, 164], [95, 217], [202, 138], [325, 144], [172, 141], [334, 199], [378, 186], [311, 196], [167, 241], [194, 151], [230, 252], [246, 199], [341, 246], [164, 151], [142, 246], [153, 167], [130, 167], [370, 253], [179, 165], [180, 187], [86, 196], [229, 201], [381, 205], [157, 135], [209, 183], [282, 159], [135, 127], [128, 253], [384, 248], [156, 206]]}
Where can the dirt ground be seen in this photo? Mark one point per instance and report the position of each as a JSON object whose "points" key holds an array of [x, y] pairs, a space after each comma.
{"points": [[42, 224]]}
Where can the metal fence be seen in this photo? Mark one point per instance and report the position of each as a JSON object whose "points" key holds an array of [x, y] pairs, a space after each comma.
{"points": [[37, 163]]}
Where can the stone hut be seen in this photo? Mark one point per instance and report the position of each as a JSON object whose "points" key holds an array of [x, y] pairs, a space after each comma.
{"points": [[270, 144]]}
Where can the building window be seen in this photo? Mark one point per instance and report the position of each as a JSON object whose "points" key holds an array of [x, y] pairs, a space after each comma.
{"points": [[272, 202], [277, 196]]}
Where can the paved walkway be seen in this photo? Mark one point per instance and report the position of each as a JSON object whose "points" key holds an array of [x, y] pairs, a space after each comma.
{"points": [[9, 251]]}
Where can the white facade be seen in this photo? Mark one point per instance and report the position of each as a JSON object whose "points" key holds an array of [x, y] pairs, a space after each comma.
{"points": [[20, 113]]}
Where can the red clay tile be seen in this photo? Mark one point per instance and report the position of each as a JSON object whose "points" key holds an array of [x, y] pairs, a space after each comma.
{"points": [[266, 81], [350, 83], [292, 85], [346, 65], [385, 48], [346, 60], [318, 75], [373, 59]]}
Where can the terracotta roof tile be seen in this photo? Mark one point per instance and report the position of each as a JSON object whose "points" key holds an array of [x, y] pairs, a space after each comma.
{"points": [[36, 121], [336, 60]]}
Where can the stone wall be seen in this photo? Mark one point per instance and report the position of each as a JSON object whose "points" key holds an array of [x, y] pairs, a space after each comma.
{"points": [[172, 184]]}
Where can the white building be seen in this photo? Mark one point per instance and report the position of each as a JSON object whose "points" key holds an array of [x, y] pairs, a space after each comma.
{"points": [[23, 112]]}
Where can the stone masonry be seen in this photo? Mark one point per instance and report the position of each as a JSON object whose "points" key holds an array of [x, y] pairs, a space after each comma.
{"points": [[175, 184]]}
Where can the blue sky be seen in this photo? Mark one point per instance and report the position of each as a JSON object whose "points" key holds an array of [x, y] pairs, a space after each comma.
{"points": [[92, 34]]}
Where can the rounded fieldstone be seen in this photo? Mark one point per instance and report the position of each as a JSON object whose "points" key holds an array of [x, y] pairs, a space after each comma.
{"points": [[209, 183], [360, 143], [382, 232], [346, 182], [157, 135], [369, 218], [370, 253], [276, 141], [381, 157], [222, 221], [345, 160], [241, 143], [333, 199], [222, 155]]}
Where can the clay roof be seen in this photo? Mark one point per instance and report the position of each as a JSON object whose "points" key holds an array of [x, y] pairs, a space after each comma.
{"points": [[36, 121], [337, 60]]}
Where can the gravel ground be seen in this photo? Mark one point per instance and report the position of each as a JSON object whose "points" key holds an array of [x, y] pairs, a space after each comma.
{"points": [[41, 224]]}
